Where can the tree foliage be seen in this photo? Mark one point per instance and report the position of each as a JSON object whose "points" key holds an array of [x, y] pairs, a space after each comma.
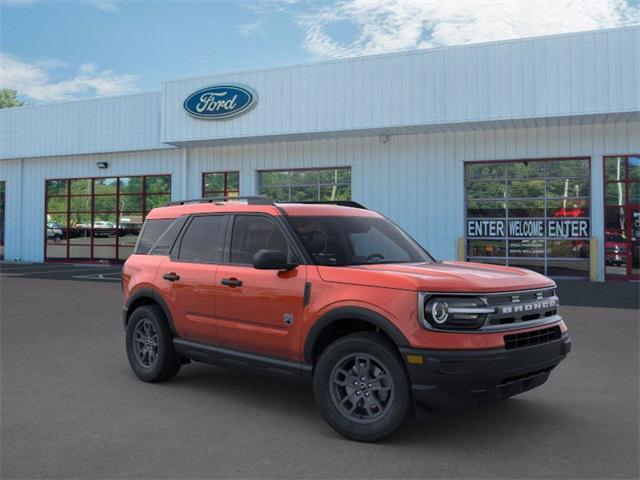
{"points": [[8, 98]]}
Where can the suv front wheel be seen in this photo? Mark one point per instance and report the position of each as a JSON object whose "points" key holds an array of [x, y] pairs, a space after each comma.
{"points": [[150, 345], [361, 387]]}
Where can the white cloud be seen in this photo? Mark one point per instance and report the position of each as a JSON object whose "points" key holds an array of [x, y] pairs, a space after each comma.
{"points": [[34, 80], [105, 5], [252, 28], [390, 25]]}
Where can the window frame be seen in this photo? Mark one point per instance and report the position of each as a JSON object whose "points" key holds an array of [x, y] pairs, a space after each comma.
{"points": [[505, 178], [174, 253], [226, 191], [627, 181], [92, 213], [318, 185], [285, 228]]}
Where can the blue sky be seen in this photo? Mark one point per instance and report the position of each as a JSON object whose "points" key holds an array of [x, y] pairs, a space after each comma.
{"points": [[54, 51]]}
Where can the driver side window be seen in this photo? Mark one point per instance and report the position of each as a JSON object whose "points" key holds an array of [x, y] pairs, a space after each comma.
{"points": [[252, 233]]}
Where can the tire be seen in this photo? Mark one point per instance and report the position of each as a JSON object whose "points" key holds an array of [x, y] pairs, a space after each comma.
{"points": [[147, 330], [384, 400]]}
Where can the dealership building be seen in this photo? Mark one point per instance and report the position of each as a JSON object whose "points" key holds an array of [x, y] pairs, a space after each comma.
{"points": [[522, 152]]}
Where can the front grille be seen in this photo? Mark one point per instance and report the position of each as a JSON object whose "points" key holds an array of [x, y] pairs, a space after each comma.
{"points": [[536, 337], [524, 306]]}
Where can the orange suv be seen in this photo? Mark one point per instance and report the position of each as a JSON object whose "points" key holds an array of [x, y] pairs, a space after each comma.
{"points": [[338, 296]]}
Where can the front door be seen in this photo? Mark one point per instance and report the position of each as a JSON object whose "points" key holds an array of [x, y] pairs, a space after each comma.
{"points": [[622, 217], [259, 311]]}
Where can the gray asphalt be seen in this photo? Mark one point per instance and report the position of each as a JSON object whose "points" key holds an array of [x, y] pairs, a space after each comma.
{"points": [[72, 408]]}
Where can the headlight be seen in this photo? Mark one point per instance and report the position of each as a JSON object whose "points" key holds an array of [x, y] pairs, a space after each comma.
{"points": [[455, 312]]}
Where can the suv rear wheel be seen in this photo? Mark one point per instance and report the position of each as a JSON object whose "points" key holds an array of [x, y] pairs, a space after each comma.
{"points": [[150, 345], [361, 387]]}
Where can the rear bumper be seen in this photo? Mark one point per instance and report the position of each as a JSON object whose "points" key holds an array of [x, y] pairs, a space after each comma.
{"points": [[452, 379]]}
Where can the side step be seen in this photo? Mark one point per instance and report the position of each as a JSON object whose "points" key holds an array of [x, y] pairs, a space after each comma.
{"points": [[207, 353]]}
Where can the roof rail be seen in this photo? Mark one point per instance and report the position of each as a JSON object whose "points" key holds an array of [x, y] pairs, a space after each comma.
{"points": [[251, 200], [341, 203]]}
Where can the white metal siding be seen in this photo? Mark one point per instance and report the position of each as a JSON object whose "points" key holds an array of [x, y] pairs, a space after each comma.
{"points": [[25, 196], [113, 124], [558, 76], [416, 180]]}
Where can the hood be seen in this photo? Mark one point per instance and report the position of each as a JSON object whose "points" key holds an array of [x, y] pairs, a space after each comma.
{"points": [[438, 277]]}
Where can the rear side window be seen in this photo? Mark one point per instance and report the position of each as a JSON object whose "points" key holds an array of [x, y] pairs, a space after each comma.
{"points": [[151, 233], [203, 241], [252, 233], [168, 238]]}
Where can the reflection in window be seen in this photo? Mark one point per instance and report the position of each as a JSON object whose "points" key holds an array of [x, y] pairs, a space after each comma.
{"points": [[221, 184], [525, 208], [615, 193], [486, 248], [327, 184], [525, 188], [520, 195], [485, 209], [99, 219]]}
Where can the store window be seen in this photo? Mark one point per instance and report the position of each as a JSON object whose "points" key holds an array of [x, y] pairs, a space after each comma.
{"points": [[306, 185], [99, 219], [221, 184], [2, 187], [622, 217], [531, 214]]}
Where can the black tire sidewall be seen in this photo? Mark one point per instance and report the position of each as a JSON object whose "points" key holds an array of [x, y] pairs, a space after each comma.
{"points": [[167, 364], [381, 349]]}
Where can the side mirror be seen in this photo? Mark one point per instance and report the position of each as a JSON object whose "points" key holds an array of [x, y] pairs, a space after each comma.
{"points": [[272, 260]]}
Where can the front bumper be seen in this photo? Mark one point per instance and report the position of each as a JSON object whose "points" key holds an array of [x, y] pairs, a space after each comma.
{"points": [[453, 379]]}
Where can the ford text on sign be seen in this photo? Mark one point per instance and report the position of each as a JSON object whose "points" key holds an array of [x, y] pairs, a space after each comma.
{"points": [[220, 102], [528, 228]]}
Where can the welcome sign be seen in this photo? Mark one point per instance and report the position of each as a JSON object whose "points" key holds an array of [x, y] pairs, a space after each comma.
{"points": [[528, 228], [220, 102]]}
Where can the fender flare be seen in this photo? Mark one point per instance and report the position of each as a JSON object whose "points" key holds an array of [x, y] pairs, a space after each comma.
{"points": [[356, 313], [157, 298]]}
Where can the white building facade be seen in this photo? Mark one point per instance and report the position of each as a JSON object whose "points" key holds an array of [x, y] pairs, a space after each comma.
{"points": [[523, 152]]}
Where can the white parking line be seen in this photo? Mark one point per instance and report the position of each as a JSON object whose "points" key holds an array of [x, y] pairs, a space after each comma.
{"points": [[39, 272], [99, 277]]}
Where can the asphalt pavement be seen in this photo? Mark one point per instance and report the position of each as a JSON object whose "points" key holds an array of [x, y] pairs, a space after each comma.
{"points": [[71, 407]]}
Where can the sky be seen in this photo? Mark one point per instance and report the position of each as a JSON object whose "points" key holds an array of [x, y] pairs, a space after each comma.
{"points": [[54, 50]]}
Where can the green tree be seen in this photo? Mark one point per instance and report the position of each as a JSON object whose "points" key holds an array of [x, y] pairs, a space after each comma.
{"points": [[8, 98]]}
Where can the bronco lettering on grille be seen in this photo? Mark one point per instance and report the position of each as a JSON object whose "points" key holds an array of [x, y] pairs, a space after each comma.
{"points": [[529, 307]]}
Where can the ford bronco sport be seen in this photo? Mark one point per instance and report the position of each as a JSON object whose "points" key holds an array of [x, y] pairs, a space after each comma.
{"points": [[339, 296]]}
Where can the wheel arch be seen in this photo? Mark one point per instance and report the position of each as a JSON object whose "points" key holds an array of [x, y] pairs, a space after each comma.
{"points": [[329, 322], [148, 296]]}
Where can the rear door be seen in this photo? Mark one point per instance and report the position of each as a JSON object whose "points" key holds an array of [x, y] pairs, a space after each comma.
{"points": [[188, 276], [259, 311]]}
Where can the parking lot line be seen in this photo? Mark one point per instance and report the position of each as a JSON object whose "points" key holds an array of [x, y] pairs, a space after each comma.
{"points": [[57, 270]]}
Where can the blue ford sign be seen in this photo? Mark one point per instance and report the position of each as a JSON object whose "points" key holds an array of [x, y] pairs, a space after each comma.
{"points": [[220, 101]]}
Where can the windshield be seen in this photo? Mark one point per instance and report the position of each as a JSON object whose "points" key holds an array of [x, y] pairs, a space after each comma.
{"points": [[342, 241]]}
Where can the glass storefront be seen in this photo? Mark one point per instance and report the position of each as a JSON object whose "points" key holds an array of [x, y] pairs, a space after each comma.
{"points": [[221, 184], [306, 185], [99, 218], [532, 214], [622, 217], [2, 187]]}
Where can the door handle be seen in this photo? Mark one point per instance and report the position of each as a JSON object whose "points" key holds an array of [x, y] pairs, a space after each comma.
{"points": [[231, 282], [172, 277]]}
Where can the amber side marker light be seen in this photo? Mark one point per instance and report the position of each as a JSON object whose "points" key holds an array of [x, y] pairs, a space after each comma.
{"points": [[415, 359]]}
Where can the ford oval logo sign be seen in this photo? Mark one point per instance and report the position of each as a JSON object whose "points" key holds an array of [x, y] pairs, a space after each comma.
{"points": [[220, 102]]}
